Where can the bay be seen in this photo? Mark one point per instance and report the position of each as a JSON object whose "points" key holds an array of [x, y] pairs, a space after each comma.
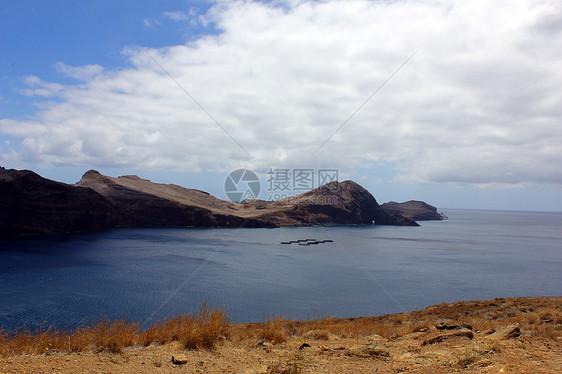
{"points": [[146, 275]]}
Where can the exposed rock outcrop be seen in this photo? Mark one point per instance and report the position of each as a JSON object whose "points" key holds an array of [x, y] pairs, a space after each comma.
{"points": [[507, 332], [462, 333], [416, 210]]}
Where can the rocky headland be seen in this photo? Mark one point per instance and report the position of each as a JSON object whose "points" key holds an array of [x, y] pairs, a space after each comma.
{"points": [[413, 209], [31, 204]]}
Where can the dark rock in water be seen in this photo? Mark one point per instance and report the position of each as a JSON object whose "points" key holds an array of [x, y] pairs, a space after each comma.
{"points": [[416, 210], [30, 204]]}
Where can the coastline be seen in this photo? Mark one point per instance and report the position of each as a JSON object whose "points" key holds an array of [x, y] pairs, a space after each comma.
{"points": [[515, 335]]}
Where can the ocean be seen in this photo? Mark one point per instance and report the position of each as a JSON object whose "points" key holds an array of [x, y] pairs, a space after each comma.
{"points": [[146, 275]]}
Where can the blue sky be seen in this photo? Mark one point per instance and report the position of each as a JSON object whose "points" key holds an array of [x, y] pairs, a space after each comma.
{"points": [[471, 120]]}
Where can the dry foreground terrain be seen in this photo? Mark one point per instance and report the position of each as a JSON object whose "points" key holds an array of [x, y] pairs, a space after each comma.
{"points": [[521, 335]]}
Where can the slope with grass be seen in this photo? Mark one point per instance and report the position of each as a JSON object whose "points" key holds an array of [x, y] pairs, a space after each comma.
{"points": [[521, 335]]}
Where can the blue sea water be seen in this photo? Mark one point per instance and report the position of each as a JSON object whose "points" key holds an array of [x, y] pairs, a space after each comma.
{"points": [[150, 274]]}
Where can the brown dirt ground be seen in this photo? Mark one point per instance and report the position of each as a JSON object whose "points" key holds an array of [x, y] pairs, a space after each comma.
{"points": [[537, 350]]}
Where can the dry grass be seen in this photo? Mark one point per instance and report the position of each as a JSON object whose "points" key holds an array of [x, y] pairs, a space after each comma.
{"points": [[276, 330], [468, 358], [201, 330], [541, 317]]}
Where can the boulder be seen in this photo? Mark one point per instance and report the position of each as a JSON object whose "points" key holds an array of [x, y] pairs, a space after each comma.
{"points": [[368, 350], [463, 333], [507, 332]]}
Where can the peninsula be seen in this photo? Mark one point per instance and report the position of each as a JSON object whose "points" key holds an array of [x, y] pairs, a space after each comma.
{"points": [[31, 204]]}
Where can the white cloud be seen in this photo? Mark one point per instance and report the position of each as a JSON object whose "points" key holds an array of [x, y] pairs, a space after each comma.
{"points": [[36, 87], [83, 73], [176, 15], [479, 103]]}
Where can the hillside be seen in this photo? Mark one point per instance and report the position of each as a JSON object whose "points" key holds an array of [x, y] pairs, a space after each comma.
{"points": [[496, 336], [30, 204]]}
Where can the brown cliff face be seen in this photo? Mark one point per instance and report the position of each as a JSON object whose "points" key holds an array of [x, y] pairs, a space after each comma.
{"points": [[338, 203], [416, 210], [30, 204]]}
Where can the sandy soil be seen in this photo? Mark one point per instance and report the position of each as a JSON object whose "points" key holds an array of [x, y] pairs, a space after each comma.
{"points": [[415, 342]]}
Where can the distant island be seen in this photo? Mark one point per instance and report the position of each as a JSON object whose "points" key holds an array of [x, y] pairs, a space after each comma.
{"points": [[31, 204], [413, 209]]}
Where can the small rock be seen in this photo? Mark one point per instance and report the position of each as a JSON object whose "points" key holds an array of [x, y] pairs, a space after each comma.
{"points": [[51, 352], [453, 326], [464, 333], [179, 359], [507, 332], [447, 326], [303, 346], [264, 344], [368, 350]]}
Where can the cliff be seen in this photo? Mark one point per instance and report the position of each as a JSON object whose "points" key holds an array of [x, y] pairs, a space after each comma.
{"points": [[144, 203], [416, 210], [30, 204]]}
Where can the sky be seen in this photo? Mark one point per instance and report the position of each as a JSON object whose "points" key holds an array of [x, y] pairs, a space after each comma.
{"points": [[454, 103]]}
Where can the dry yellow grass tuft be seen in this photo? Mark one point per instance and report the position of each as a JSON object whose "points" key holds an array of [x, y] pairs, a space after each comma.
{"points": [[275, 330], [202, 330], [539, 317]]}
